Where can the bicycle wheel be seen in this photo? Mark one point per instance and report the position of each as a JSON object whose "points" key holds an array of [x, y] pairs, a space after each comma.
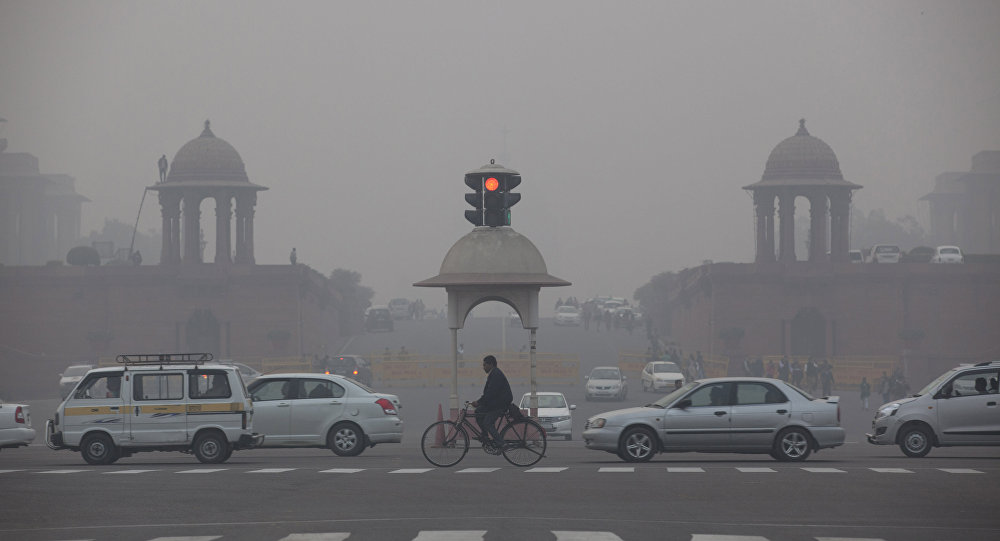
{"points": [[523, 443], [444, 444]]}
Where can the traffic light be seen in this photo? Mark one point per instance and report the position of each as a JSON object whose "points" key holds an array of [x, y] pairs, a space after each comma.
{"points": [[492, 198]]}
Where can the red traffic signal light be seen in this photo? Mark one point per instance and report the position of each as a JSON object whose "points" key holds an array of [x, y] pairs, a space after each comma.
{"points": [[492, 184]]}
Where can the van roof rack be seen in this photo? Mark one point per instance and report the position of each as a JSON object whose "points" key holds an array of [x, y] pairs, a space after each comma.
{"points": [[163, 358], [987, 363]]}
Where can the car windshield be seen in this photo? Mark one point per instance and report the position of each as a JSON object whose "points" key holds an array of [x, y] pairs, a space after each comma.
{"points": [[544, 401], [76, 370], [936, 383], [665, 367], [604, 373], [672, 396]]}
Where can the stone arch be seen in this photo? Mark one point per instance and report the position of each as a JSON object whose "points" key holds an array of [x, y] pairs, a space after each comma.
{"points": [[808, 333], [202, 332], [492, 298]]}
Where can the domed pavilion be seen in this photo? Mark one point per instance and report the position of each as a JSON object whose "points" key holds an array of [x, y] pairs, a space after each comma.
{"points": [[803, 165], [207, 167]]}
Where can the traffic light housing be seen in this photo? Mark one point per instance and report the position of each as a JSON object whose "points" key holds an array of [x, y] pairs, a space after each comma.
{"points": [[492, 198]]}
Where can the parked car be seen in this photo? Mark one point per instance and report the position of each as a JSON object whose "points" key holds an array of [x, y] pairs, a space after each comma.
{"points": [[960, 407], [567, 315], [324, 410], [856, 256], [606, 382], [947, 254], [351, 366], [15, 425], [554, 414], [661, 375], [885, 253], [156, 402], [722, 415], [70, 377], [378, 318]]}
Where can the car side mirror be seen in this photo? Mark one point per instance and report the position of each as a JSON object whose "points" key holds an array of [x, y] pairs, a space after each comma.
{"points": [[572, 407], [683, 404]]}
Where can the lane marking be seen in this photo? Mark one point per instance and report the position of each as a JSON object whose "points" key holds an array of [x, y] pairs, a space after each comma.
{"points": [[9, 471], [685, 470], [271, 470], [715, 537], [890, 470], [127, 471], [62, 471], [545, 470], [412, 470], [824, 470], [333, 536], [453, 535], [203, 470], [477, 470], [959, 470], [585, 536], [616, 470], [849, 539], [188, 538], [343, 470], [757, 470]]}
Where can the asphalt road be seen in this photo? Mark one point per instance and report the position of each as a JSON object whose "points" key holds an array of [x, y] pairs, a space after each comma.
{"points": [[390, 492]]}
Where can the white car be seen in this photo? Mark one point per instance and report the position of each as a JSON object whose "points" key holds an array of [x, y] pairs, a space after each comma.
{"points": [[947, 254], [885, 253], [70, 377], [856, 256], [661, 376], [323, 410], [15, 425], [606, 382], [554, 414], [567, 315]]}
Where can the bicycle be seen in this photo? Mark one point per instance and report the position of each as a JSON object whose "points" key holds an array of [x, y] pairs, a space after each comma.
{"points": [[445, 443]]}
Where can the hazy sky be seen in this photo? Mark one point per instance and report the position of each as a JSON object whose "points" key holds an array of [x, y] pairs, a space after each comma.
{"points": [[634, 124]]}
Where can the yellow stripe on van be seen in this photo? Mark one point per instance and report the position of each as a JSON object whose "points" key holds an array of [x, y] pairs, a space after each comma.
{"points": [[95, 410], [161, 408], [215, 407]]}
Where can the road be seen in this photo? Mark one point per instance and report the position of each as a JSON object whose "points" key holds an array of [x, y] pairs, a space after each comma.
{"points": [[857, 491]]}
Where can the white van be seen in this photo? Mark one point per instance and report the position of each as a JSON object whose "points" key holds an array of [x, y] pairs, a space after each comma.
{"points": [[156, 402]]}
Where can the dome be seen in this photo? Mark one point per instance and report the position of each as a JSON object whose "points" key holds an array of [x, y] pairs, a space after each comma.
{"points": [[802, 157], [493, 255], [207, 159]]}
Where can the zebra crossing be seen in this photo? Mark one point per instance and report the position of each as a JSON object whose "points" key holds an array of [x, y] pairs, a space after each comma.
{"points": [[479, 535], [506, 470]]}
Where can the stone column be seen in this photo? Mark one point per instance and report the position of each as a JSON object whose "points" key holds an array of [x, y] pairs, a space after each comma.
{"points": [[249, 230], [840, 210], [764, 203], [817, 227], [170, 209], [223, 218], [192, 228], [786, 212], [242, 207]]}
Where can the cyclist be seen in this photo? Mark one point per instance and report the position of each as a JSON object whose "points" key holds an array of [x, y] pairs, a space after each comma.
{"points": [[496, 397]]}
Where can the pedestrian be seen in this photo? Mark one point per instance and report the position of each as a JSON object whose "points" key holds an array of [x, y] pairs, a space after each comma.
{"points": [[826, 377], [796, 373], [293, 257], [784, 370], [461, 351], [496, 397], [885, 388], [866, 391], [771, 369]]}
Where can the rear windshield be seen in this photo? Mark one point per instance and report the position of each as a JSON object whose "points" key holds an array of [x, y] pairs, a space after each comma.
{"points": [[887, 250], [949, 251], [544, 401]]}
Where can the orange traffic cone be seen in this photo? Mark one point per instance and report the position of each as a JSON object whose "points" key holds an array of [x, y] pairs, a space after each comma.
{"points": [[439, 435]]}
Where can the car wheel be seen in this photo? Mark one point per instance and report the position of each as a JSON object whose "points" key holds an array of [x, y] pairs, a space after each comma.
{"points": [[346, 440], [915, 441], [792, 445], [211, 448], [637, 445], [98, 449]]}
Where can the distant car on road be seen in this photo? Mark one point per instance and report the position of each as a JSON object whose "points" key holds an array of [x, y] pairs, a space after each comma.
{"points": [[660, 376], [721, 415], [554, 413], [378, 318], [856, 256], [351, 366], [323, 410], [567, 315], [70, 377], [15, 425], [606, 382], [947, 254], [885, 253]]}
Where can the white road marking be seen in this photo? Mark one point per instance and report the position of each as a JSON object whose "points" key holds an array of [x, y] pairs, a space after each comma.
{"points": [[477, 470], [203, 470], [545, 470], [9, 471], [757, 470], [128, 471], [849, 539], [62, 471], [586, 536], [271, 470], [824, 470], [334, 536], [454, 535], [617, 470], [959, 470], [714, 537], [188, 538], [412, 470], [685, 470], [343, 470], [890, 470]]}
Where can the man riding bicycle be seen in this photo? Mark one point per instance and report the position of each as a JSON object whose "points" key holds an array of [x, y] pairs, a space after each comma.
{"points": [[497, 396]]}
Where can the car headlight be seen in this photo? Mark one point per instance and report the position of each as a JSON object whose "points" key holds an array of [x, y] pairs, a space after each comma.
{"points": [[887, 411], [615, 385], [561, 419], [596, 423]]}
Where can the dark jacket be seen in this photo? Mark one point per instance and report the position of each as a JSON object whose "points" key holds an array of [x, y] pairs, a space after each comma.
{"points": [[496, 393]]}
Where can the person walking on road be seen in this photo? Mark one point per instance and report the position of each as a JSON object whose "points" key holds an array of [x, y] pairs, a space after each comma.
{"points": [[496, 397], [866, 391]]}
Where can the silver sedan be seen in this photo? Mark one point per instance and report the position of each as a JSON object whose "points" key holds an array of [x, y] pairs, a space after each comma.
{"points": [[722, 415]]}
